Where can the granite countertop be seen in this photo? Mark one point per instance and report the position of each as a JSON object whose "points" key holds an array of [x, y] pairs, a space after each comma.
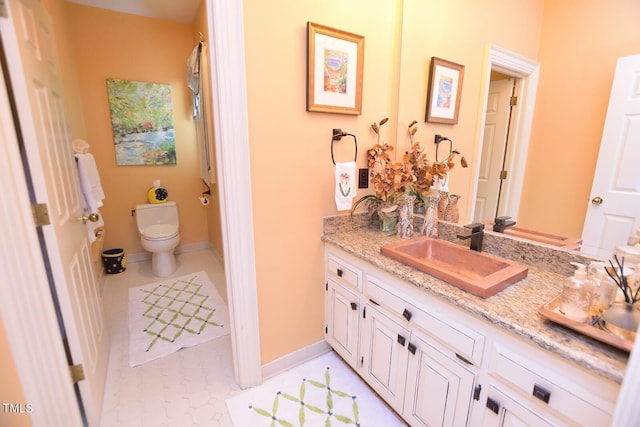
{"points": [[514, 309]]}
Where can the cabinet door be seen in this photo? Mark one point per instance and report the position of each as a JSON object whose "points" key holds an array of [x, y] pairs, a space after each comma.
{"points": [[384, 355], [342, 314], [439, 388], [504, 411]]}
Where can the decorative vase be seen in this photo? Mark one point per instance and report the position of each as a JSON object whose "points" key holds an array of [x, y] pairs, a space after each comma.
{"points": [[452, 213], [388, 217], [622, 319], [405, 222], [430, 224], [443, 202]]}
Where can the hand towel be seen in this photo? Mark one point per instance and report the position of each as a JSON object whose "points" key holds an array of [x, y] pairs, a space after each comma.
{"points": [[89, 181], [80, 146], [442, 184], [345, 184]]}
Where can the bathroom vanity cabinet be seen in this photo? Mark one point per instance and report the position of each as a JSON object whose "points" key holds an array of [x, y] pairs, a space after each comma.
{"points": [[435, 363]]}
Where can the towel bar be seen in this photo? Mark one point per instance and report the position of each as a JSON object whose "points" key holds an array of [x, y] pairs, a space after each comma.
{"points": [[337, 136]]}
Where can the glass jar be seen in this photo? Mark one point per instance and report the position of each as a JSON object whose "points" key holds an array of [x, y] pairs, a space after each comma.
{"points": [[577, 295]]}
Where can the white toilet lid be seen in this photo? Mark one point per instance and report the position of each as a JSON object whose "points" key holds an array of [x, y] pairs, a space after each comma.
{"points": [[160, 231]]}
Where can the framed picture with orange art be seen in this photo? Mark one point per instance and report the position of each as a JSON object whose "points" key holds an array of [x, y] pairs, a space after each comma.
{"points": [[335, 61], [445, 89]]}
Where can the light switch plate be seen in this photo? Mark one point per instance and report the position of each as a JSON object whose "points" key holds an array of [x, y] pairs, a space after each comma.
{"points": [[363, 178]]}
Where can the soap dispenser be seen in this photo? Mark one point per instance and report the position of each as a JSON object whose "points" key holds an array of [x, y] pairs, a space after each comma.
{"points": [[577, 294]]}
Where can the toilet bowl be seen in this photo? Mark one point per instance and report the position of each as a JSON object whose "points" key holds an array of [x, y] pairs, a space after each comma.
{"points": [[158, 227]]}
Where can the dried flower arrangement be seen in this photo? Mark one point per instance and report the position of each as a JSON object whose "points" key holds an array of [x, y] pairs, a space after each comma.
{"points": [[616, 274], [414, 175]]}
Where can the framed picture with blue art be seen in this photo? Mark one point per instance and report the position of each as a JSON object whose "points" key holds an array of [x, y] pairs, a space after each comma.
{"points": [[445, 89], [142, 122], [335, 63]]}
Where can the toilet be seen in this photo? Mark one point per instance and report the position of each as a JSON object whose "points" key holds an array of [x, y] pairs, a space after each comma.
{"points": [[159, 234]]}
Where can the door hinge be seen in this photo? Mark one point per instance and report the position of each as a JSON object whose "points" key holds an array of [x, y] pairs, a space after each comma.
{"points": [[3, 9], [326, 330], [364, 313], [326, 286], [503, 174], [40, 214], [77, 373], [513, 101]]}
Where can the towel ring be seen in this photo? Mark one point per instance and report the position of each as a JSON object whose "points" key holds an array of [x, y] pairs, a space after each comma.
{"points": [[339, 136], [438, 145]]}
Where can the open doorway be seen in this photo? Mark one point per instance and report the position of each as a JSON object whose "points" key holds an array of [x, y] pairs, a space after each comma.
{"points": [[523, 72]]}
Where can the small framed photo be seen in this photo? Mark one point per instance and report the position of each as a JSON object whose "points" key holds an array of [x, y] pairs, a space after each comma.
{"points": [[335, 61], [445, 88]]}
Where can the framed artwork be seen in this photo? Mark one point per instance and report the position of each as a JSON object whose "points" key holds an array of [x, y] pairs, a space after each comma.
{"points": [[142, 122], [335, 62], [445, 88]]}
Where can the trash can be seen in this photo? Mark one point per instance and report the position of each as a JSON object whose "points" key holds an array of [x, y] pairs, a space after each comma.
{"points": [[114, 261]]}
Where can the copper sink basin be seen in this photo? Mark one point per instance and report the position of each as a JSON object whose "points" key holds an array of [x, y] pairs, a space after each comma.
{"points": [[478, 273], [565, 242]]}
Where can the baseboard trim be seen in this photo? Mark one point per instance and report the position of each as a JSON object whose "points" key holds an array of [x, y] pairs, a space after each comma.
{"points": [[294, 359], [145, 256]]}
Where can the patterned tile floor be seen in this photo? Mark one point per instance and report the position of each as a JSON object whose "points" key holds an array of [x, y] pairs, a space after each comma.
{"points": [[187, 388]]}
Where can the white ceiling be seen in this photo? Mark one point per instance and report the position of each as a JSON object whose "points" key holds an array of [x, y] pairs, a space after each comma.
{"points": [[182, 11]]}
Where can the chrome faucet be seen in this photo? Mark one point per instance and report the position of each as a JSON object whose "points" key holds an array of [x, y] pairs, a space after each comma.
{"points": [[501, 223], [476, 235]]}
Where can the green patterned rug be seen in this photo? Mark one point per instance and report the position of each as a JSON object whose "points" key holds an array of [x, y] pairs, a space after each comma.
{"points": [[173, 314], [322, 392]]}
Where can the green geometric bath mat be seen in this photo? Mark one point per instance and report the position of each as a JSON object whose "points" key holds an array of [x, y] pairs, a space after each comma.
{"points": [[173, 314], [320, 393]]}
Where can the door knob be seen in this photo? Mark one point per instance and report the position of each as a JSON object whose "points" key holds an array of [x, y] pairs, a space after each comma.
{"points": [[93, 217], [597, 200]]}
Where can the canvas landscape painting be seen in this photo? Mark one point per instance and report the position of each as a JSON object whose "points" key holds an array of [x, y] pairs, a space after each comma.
{"points": [[142, 122]]}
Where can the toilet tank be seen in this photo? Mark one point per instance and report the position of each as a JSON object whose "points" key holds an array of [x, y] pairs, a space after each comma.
{"points": [[161, 213]]}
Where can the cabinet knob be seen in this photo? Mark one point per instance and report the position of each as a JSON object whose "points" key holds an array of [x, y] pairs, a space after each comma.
{"points": [[541, 393], [412, 348], [339, 272], [493, 405], [407, 314], [401, 340], [354, 306]]}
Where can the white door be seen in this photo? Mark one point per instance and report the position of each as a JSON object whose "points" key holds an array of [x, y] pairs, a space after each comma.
{"points": [[33, 67], [494, 143], [384, 356], [614, 208], [343, 316], [439, 388]]}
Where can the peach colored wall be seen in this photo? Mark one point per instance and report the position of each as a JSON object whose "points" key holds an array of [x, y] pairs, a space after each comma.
{"points": [[214, 224], [291, 170], [580, 44], [115, 45], [10, 387]]}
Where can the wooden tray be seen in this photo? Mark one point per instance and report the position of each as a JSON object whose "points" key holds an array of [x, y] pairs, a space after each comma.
{"points": [[551, 312]]}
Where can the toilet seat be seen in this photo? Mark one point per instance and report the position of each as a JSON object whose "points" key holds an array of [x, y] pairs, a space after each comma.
{"points": [[160, 232]]}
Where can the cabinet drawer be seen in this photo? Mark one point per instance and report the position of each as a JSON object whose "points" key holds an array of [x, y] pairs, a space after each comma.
{"points": [[461, 340], [542, 388], [344, 272]]}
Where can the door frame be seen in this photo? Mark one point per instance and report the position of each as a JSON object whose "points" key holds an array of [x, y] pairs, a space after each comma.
{"points": [[226, 23], [526, 71]]}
